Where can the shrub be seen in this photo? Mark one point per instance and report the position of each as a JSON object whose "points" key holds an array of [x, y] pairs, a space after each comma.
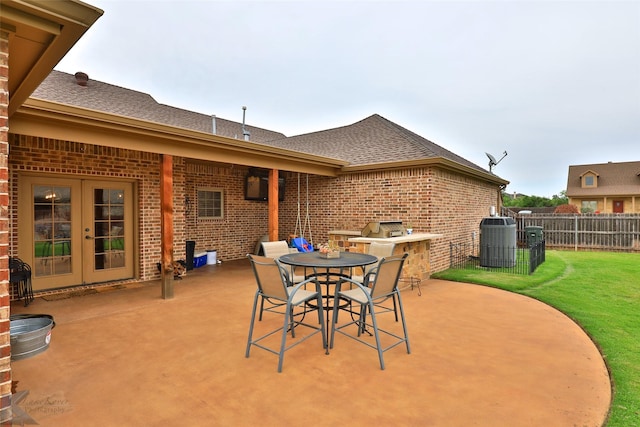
{"points": [[566, 209]]}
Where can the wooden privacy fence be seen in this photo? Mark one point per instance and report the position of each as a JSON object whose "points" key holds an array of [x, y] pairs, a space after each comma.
{"points": [[608, 232]]}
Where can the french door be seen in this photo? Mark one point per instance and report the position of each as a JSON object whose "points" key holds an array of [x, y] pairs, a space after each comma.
{"points": [[75, 231]]}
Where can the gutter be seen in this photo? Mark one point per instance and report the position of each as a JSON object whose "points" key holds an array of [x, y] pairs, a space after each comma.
{"points": [[432, 161], [60, 121]]}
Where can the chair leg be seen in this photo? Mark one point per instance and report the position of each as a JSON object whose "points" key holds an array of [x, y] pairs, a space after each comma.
{"points": [[283, 341], [404, 324], [29, 291], [395, 308], [253, 319], [363, 319], [334, 317], [261, 308], [22, 291], [292, 323], [374, 323], [323, 330]]}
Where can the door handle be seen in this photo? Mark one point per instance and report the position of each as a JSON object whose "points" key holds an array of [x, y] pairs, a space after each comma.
{"points": [[87, 237]]}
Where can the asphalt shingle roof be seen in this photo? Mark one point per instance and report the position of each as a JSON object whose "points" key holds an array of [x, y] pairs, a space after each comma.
{"points": [[370, 141], [373, 140], [613, 179], [62, 88]]}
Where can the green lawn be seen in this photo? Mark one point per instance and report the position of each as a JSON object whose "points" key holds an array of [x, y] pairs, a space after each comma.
{"points": [[601, 292]]}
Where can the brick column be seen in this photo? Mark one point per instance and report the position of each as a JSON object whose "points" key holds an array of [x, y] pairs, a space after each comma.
{"points": [[5, 343]]}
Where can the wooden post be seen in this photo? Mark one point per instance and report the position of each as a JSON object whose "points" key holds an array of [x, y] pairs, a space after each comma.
{"points": [[166, 228], [273, 205]]}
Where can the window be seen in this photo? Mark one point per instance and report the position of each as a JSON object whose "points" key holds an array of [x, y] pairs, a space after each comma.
{"points": [[210, 203], [589, 179], [589, 206]]}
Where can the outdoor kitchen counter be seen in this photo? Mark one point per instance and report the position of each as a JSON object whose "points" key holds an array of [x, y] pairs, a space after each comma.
{"points": [[415, 237], [417, 245]]}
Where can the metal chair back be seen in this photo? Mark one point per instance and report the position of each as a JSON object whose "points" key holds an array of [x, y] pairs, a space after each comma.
{"points": [[387, 274], [271, 278]]}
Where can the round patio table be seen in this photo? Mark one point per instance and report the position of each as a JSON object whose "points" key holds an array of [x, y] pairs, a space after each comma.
{"points": [[316, 261]]}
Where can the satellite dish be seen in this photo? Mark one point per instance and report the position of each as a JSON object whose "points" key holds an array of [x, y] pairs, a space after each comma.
{"points": [[492, 160]]}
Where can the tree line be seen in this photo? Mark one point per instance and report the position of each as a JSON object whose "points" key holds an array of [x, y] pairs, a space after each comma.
{"points": [[524, 201]]}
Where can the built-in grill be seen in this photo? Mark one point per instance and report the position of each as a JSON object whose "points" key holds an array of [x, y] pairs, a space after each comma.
{"points": [[383, 229]]}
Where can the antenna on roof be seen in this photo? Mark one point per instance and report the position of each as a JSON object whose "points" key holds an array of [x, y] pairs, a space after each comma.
{"points": [[492, 160], [245, 132]]}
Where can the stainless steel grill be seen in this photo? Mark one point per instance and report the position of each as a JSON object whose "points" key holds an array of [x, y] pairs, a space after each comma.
{"points": [[384, 229]]}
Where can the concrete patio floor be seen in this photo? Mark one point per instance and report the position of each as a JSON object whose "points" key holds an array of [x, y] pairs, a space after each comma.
{"points": [[480, 356]]}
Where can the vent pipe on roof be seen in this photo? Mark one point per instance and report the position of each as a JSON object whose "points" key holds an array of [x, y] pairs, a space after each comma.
{"points": [[245, 132], [213, 124], [81, 78]]}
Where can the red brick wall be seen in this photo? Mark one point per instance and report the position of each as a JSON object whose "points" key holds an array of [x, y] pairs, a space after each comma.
{"points": [[233, 237], [73, 159], [433, 200], [5, 343], [244, 222], [457, 207]]}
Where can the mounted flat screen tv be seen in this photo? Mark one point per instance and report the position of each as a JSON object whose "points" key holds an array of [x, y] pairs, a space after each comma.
{"points": [[256, 187]]}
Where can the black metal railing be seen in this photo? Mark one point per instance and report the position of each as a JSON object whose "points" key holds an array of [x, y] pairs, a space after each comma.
{"points": [[536, 255], [514, 260]]}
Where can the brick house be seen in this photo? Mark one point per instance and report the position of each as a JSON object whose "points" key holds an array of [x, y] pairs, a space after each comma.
{"points": [[100, 182], [605, 187], [78, 143], [83, 137]]}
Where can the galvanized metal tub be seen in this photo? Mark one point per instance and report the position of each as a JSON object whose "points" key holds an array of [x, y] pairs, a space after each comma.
{"points": [[30, 335]]}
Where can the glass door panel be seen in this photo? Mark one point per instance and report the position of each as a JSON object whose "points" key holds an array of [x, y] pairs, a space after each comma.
{"points": [[108, 230], [49, 216], [52, 230], [109, 226]]}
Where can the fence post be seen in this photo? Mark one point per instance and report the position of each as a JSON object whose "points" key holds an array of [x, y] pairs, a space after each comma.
{"points": [[575, 233], [450, 254]]}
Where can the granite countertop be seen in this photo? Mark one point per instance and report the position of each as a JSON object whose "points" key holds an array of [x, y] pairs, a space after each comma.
{"points": [[414, 237]]}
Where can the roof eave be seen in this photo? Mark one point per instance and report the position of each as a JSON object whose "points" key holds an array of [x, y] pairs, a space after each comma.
{"points": [[41, 32], [580, 195], [433, 161], [60, 121]]}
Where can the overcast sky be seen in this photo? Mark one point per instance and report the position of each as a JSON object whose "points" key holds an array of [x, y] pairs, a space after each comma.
{"points": [[553, 83]]}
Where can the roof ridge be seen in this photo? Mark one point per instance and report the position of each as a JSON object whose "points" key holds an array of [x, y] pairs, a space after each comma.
{"points": [[60, 86], [424, 141]]}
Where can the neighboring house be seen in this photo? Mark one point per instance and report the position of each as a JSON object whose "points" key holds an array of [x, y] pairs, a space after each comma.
{"points": [[605, 187]]}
